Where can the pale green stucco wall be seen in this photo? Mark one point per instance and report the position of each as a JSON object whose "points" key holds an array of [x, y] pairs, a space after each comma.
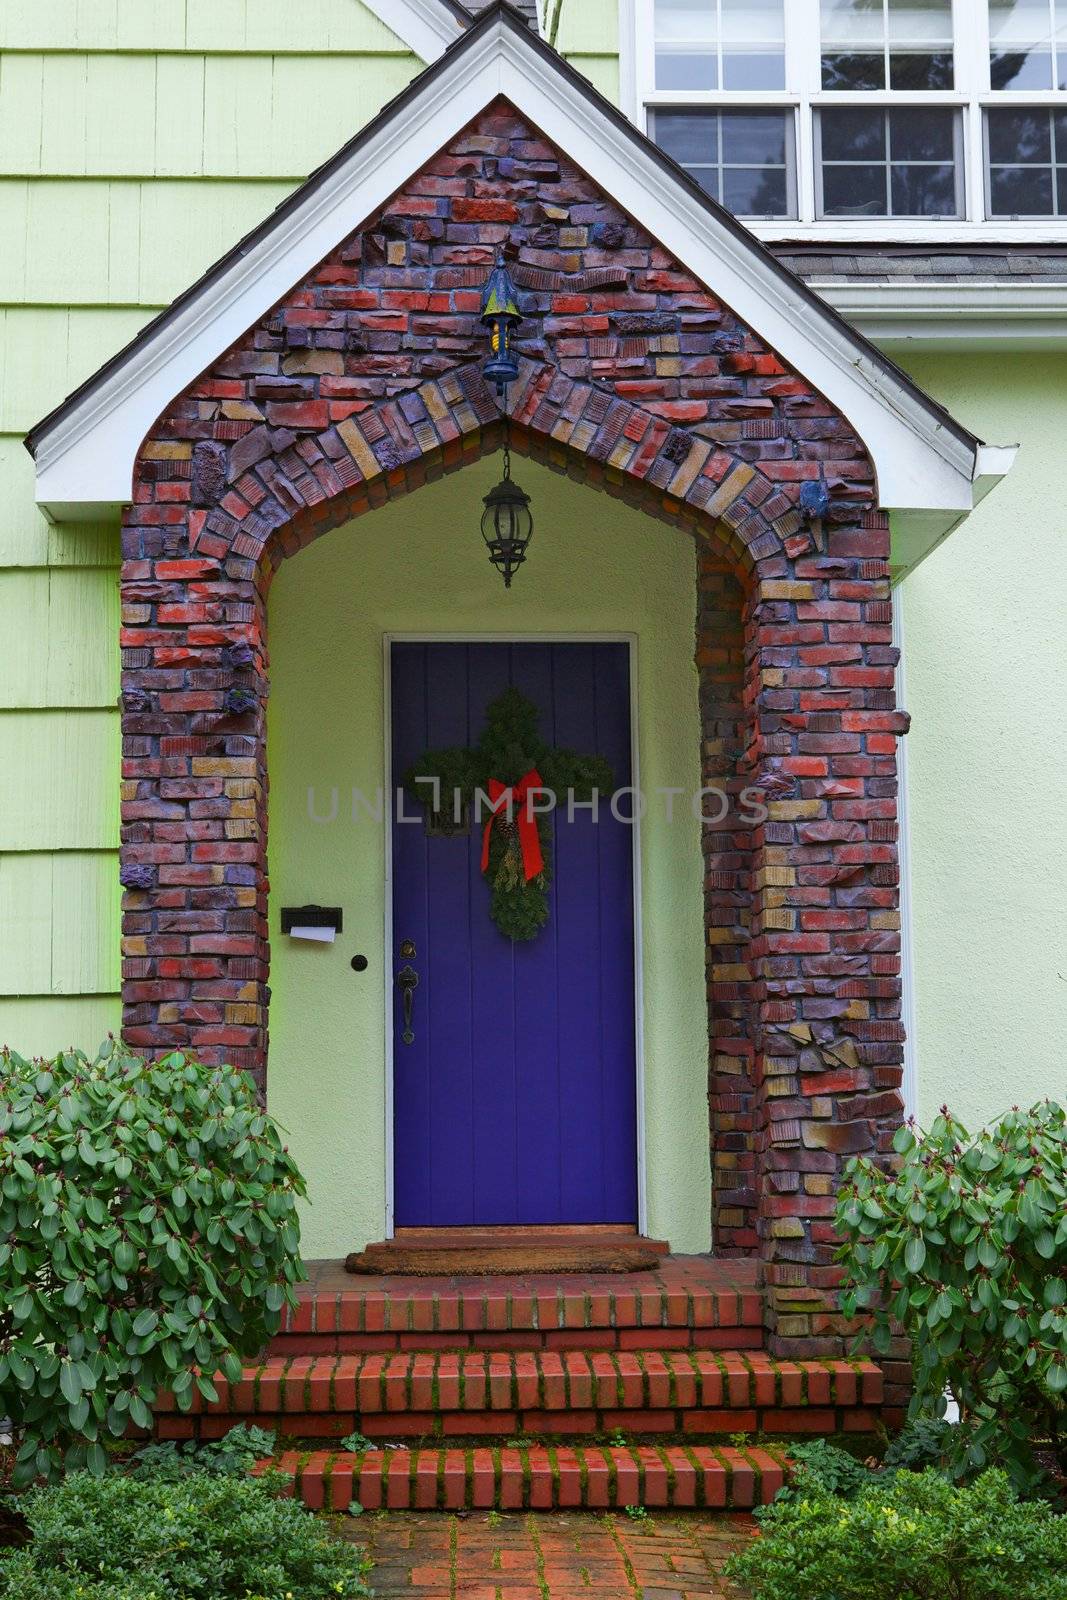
{"points": [[985, 643], [596, 566]]}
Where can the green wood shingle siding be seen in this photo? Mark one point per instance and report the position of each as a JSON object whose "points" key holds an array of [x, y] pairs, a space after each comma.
{"points": [[586, 32], [119, 224], [59, 923], [139, 139], [59, 780], [60, 633], [234, 116], [156, 26], [40, 1025]]}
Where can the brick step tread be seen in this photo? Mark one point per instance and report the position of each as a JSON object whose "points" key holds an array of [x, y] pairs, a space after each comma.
{"points": [[539, 1477], [680, 1338], [484, 1426], [498, 1305], [480, 1382]]}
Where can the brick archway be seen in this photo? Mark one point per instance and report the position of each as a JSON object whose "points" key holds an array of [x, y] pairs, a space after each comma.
{"points": [[364, 383]]}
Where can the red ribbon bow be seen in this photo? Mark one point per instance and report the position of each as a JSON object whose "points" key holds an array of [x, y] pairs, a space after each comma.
{"points": [[510, 801]]}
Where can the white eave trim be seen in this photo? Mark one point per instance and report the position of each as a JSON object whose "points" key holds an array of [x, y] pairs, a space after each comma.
{"points": [[85, 458], [991, 463], [427, 27], [993, 313]]}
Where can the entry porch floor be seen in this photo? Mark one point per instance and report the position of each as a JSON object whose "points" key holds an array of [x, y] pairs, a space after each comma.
{"points": [[703, 1300]]}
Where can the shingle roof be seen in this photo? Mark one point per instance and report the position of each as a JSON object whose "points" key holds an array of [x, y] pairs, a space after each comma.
{"points": [[828, 263], [474, 8]]}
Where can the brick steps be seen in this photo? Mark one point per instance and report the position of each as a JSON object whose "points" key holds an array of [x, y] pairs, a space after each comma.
{"points": [[537, 1392], [536, 1477], [690, 1302], [498, 1392]]}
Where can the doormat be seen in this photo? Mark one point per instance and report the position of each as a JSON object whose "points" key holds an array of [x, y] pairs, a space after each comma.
{"points": [[514, 1259]]}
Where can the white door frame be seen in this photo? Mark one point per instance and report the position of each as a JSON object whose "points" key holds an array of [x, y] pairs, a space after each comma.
{"points": [[533, 637]]}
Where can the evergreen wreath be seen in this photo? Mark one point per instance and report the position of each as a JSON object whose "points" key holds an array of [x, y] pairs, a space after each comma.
{"points": [[509, 749]]}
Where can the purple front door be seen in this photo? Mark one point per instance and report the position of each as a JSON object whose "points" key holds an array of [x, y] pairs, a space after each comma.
{"points": [[515, 1101]]}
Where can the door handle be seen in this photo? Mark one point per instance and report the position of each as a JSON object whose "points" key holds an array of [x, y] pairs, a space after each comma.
{"points": [[407, 981]]}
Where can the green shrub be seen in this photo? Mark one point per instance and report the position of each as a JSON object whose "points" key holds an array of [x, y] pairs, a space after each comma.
{"points": [[964, 1247], [199, 1537], [915, 1537], [149, 1237]]}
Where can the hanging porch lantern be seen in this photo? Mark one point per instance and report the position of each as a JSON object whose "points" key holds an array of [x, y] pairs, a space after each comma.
{"points": [[507, 522], [500, 314]]}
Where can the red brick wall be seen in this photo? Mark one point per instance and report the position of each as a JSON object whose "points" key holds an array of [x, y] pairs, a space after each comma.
{"points": [[365, 383]]}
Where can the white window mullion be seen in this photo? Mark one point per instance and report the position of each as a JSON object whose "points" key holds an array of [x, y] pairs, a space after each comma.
{"points": [[971, 27], [632, 98], [802, 57], [644, 59]]}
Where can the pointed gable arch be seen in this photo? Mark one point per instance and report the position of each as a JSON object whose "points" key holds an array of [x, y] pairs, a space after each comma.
{"points": [[928, 468]]}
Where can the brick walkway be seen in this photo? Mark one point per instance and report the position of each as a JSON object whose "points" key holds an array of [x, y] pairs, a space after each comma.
{"points": [[551, 1556]]}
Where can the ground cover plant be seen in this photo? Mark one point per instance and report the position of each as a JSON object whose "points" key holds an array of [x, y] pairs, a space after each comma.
{"points": [[234, 1454], [964, 1246], [198, 1535], [148, 1238]]}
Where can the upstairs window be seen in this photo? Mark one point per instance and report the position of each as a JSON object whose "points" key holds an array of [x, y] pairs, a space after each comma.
{"points": [[744, 159], [887, 44], [1028, 44], [891, 118], [720, 44], [888, 163], [1026, 162]]}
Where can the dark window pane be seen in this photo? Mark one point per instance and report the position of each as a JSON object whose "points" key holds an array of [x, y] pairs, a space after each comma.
{"points": [[753, 69], [854, 191], [1021, 69], [754, 138], [852, 135], [688, 136], [853, 71], [1020, 192], [919, 134], [708, 179], [1021, 135], [1061, 187], [685, 69], [907, 71], [924, 191], [750, 193], [1059, 122]]}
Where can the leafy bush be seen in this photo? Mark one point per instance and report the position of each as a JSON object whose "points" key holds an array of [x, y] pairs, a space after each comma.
{"points": [[235, 1454], [199, 1537], [148, 1236], [910, 1538], [964, 1246]]}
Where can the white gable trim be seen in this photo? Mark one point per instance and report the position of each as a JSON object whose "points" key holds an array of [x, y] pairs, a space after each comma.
{"points": [[427, 26], [85, 454]]}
